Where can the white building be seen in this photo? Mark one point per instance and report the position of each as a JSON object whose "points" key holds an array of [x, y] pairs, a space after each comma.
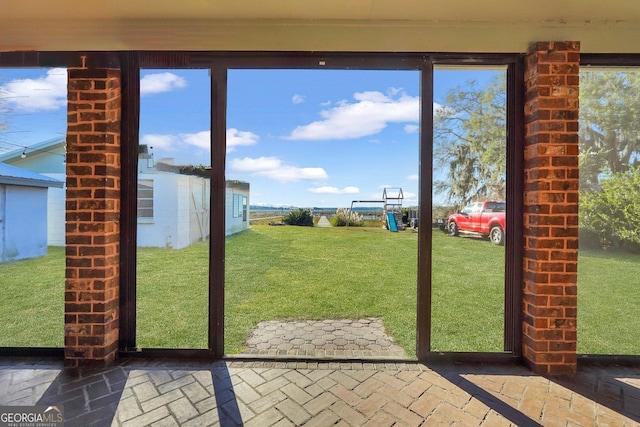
{"points": [[173, 201], [46, 158], [237, 207], [23, 212], [173, 208]]}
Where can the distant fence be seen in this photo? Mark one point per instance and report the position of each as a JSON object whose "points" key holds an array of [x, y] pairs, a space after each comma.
{"points": [[269, 214], [277, 214]]}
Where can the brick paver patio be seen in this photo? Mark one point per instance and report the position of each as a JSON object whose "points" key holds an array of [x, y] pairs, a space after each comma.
{"points": [[268, 393], [346, 338]]}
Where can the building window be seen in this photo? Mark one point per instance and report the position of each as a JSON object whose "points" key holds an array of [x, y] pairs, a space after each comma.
{"points": [[145, 198], [244, 208], [237, 205]]}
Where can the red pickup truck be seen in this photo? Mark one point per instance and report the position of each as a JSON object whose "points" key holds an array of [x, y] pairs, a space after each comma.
{"points": [[484, 218]]}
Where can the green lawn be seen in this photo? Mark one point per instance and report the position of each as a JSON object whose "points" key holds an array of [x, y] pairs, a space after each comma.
{"points": [[278, 273], [173, 295], [608, 302], [467, 294], [321, 273], [32, 301]]}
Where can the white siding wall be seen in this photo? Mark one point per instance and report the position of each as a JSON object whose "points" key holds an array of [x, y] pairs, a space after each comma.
{"points": [[162, 230], [56, 212], [183, 198], [200, 211], [25, 222], [49, 163], [235, 225], [181, 210]]}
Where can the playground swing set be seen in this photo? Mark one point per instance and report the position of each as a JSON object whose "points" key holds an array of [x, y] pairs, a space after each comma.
{"points": [[392, 208]]}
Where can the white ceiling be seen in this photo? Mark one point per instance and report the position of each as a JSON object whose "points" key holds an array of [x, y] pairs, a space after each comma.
{"points": [[569, 11]]}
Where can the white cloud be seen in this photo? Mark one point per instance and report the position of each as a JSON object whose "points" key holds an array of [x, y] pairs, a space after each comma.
{"points": [[443, 109], [200, 139], [409, 198], [394, 90], [260, 164], [298, 99], [276, 169], [237, 138], [163, 142], [45, 93], [411, 128], [334, 190], [177, 142], [369, 114], [325, 103], [161, 82], [413, 177]]}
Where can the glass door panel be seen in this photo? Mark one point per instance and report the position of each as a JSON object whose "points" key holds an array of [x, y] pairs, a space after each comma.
{"points": [[469, 195], [173, 199], [325, 162], [33, 121]]}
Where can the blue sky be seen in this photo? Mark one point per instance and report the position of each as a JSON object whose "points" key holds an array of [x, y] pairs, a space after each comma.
{"points": [[299, 137]]}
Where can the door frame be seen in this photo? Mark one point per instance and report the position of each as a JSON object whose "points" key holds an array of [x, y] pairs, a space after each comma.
{"points": [[219, 64]]}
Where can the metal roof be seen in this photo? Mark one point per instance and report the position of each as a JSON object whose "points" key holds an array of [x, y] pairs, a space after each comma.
{"points": [[12, 175]]}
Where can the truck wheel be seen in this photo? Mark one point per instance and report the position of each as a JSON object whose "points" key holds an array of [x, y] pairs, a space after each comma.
{"points": [[453, 229], [496, 235]]}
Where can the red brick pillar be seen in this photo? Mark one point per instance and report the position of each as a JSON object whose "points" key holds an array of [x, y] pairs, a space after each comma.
{"points": [[551, 207], [92, 215]]}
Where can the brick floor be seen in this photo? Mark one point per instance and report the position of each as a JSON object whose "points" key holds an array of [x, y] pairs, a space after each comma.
{"points": [[267, 393], [330, 337]]}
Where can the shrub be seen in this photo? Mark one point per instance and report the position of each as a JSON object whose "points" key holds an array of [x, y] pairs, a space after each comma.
{"points": [[343, 216], [610, 215], [299, 217]]}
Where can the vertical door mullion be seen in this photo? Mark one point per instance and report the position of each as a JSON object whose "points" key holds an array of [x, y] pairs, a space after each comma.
{"points": [[515, 201], [423, 316], [128, 215], [217, 217]]}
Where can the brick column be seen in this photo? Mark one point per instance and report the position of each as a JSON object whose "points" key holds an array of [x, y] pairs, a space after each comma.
{"points": [[551, 207], [92, 215]]}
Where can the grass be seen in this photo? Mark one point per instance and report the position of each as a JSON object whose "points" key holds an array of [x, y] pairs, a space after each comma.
{"points": [[467, 294], [320, 273], [608, 302], [32, 301], [279, 273], [172, 297]]}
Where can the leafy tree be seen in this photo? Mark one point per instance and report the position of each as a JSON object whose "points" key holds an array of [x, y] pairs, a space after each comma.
{"points": [[610, 215], [470, 142], [299, 217], [609, 124]]}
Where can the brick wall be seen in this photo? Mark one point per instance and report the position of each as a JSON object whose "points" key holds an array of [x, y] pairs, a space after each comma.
{"points": [[551, 207], [92, 215]]}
